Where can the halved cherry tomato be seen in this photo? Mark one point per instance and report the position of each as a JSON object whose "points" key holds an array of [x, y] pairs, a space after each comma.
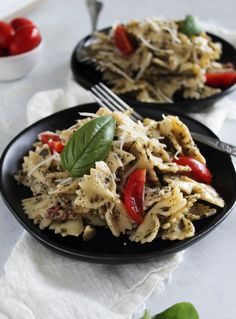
{"points": [[6, 34], [219, 80], [53, 141], [25, 39], [199, 171], [122, 40], [20, 22], [134, 195]]}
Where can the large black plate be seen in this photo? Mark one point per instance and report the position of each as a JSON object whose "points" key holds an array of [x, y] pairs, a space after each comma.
{"points": [[105, 248], [86, 75]]}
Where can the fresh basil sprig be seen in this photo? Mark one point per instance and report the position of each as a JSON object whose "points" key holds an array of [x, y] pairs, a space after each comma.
{"points": [[89, 144], [190, 26], [182, 310]]}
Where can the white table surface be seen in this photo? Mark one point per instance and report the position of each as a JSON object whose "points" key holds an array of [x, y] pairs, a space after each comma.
{"points": [[207, 277]]}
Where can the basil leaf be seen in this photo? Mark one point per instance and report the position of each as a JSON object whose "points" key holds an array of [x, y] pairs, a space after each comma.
{"points": [[146, 315], [182, 310], [190, 26], [89, 144]]}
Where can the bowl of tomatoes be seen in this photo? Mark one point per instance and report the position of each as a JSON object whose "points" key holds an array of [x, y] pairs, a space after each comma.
{"points": [[20, 46]]}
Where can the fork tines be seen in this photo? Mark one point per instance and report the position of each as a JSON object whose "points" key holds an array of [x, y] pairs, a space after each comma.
{"points": [[105, 97]]}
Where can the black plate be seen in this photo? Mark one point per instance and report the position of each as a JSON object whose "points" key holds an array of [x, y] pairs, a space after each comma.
{"points": [[86, 75], [105, 248]]}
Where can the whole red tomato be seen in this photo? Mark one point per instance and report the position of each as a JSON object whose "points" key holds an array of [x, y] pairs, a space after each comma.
{"points": [[20, 22], [6, 34], [25, 39], [3, 52]]}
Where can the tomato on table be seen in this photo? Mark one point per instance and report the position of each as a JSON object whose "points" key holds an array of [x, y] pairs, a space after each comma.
{"points": [[220, 80], [123, 41], [134, 195], [6, 34], [20, 22], [25, 39], [199, 171]]}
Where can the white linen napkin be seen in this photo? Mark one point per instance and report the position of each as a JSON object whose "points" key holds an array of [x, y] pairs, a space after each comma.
{"points": [[38, 283]]}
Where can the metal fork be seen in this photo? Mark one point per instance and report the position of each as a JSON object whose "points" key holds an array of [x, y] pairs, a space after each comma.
{"points": [[94, 8], [106, 98]]}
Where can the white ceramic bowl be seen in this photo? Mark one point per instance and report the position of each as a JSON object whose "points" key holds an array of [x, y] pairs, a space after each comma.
{"points": [[18, 66]]}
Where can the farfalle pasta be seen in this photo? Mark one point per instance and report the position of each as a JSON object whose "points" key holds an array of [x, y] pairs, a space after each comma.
{"points": [[156, 61], [76, 206]]}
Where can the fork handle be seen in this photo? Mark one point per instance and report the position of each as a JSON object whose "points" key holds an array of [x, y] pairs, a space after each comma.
{"points": [[94, 8], [215, 143]]}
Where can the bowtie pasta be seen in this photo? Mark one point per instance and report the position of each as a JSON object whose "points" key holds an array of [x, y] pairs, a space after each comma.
{"points": [[163, 63], [79, 205]]}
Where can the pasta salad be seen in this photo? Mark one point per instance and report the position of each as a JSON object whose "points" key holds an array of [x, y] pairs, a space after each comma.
{"points": [[144, 179], [159, 60]]}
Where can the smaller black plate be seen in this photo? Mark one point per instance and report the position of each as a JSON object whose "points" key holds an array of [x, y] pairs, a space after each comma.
{"points": [[87, 76], [104, 247]]}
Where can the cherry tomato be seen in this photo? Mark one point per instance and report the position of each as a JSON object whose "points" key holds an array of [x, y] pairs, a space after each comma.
{"points": [[223, 79], [122, 40], [3, 52], [48, 136], [6, 34], [53, 141], [134, 195], [56, 146], [20, 22], [199, 171], [25, 39]]}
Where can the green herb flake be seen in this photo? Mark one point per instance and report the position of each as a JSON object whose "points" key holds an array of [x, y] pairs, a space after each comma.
{"points": [[89, 144], [190, 26]]}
